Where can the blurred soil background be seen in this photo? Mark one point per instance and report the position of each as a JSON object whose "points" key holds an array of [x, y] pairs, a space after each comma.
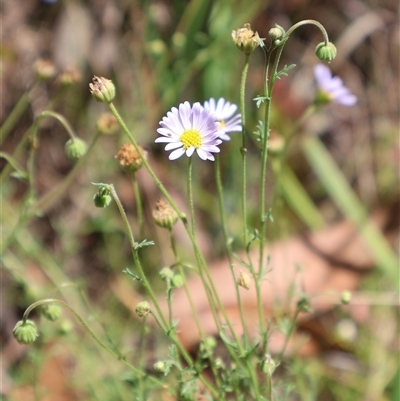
{"points": [[158, 54]]}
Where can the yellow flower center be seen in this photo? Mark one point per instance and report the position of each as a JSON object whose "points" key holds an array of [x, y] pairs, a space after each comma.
{"points": [[221, 124], [191, 137]]}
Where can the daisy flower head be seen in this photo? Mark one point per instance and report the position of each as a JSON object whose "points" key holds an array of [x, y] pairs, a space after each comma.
{"points": [[331, 89], [224, 113], [187, 129]]}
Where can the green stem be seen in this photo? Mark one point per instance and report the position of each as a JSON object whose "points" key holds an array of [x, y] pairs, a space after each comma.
{"points": [[292, 327], [243, 149], [163, 323], [139, 206], [228, 248], [14, 116], [61, 119]]}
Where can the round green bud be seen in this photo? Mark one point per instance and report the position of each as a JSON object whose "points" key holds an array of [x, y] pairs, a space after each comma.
{"points": [[102, 89], [142, 309], [275, 33], [51, 311], [160, 366], [326, 52], [166, 273], [75, 148], [345, 298], [177, 280], [102, 198], [25, 332]]}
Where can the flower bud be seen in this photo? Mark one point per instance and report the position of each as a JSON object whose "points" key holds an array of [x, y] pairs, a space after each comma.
{"points": [[51, 311], [268, 365], [166, 273], [244, 280], [303, 304], [45, 69], [129, 158], [102, 89], [75, 148], [177, 280], [142, 309], [70, 77], [276, 143], [276, 33], [107, 124], [245, 39], [25, 332], [326, 52], [163, 215], [102, 198], [160, 366], [65, 327], [345, 298]]}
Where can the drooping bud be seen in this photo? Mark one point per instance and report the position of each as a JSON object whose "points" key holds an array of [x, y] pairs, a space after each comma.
{"points": [[102, 198], [142, 309], [107, 124], [164, 216], [102, 89], [51, 311], [326, 52], [25, 332], [245, 39], [244, 280], [129, 158], [75, 148]]}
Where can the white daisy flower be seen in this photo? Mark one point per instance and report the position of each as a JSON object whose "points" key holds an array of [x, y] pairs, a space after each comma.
{"points": [[189, 129], [225, 115]]}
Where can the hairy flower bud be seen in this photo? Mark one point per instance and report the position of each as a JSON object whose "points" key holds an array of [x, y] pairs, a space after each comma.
{"points": [[268, 365], [163, 215], [102, 89], [244, 280], [245, 39], [326, 52], [177, 280], [75, 148], [276, 33], [25, 332], [51, 311], [166, 274], [102, 198], [142, 309], [129, 158]]}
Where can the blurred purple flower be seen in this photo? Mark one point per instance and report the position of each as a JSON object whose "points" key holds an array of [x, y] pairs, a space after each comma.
{"points": [[331, 89]]}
